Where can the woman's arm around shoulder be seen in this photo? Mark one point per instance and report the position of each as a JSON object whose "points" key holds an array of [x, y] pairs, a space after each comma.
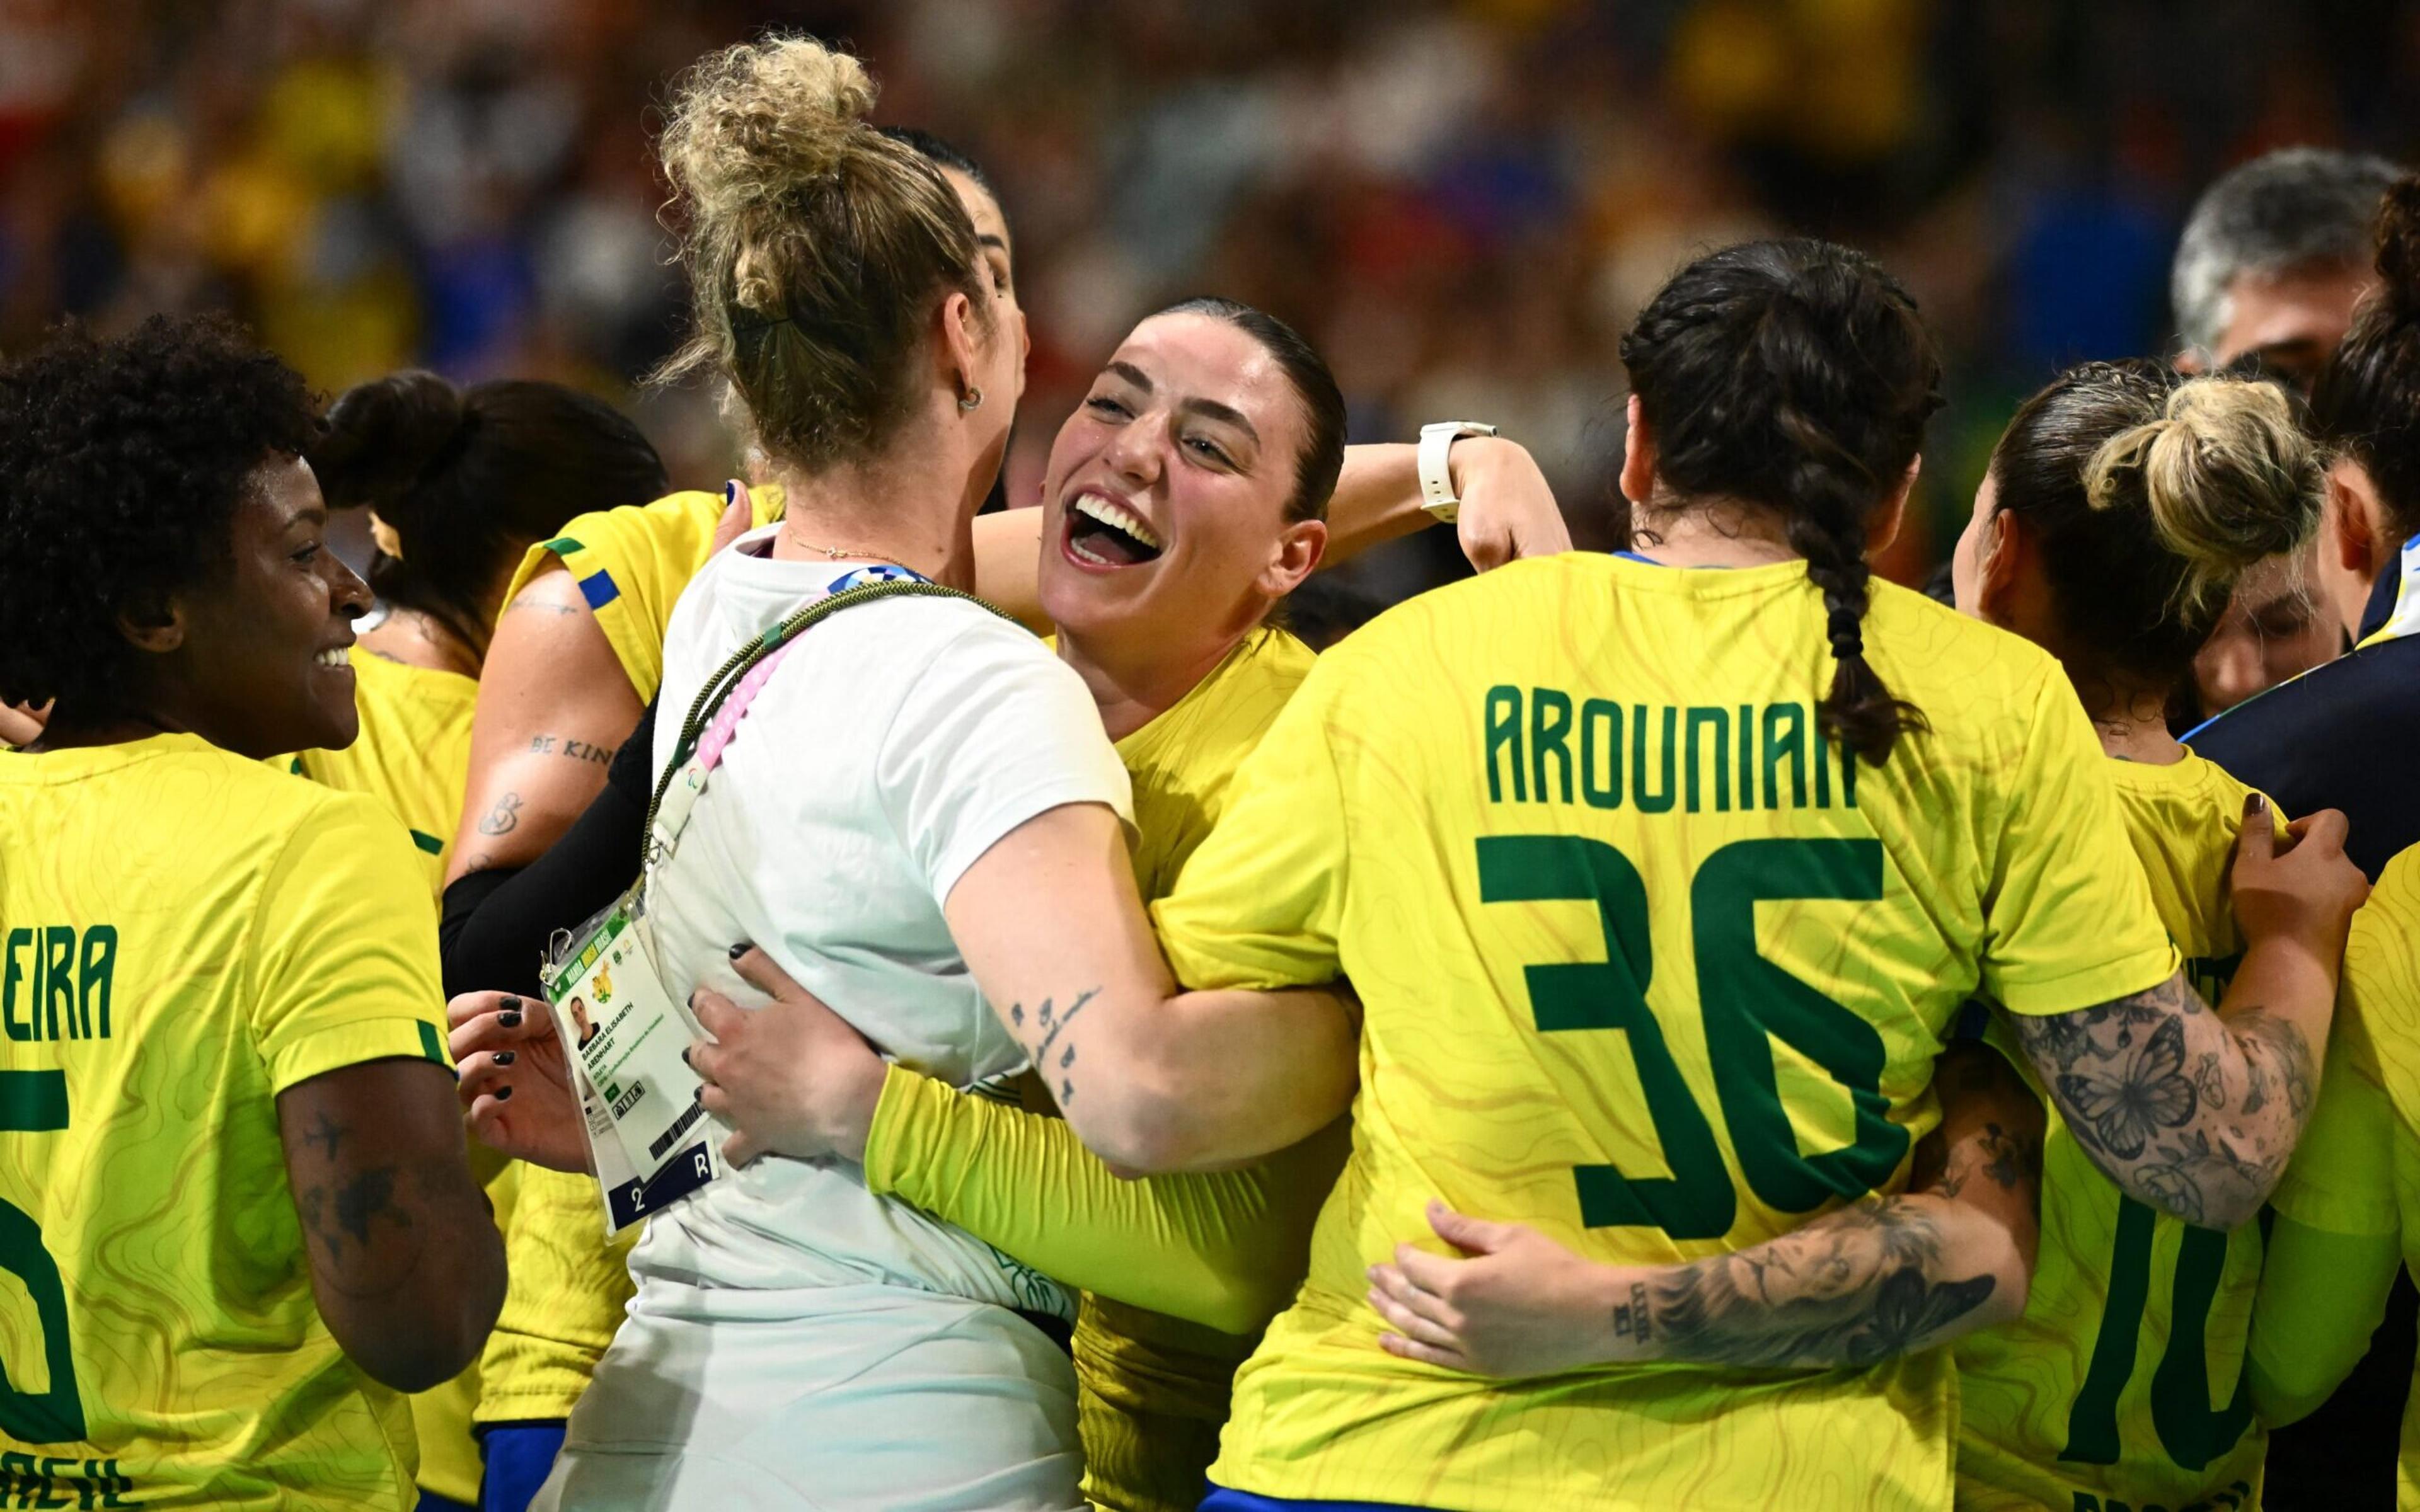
{"points": [[1880, 1277]]}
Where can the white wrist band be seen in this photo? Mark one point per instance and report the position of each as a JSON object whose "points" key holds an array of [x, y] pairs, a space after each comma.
{"points": [[1436, 479]]}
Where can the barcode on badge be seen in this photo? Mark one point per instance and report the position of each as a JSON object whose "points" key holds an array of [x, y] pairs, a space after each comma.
{"points": [[681, 1126]]}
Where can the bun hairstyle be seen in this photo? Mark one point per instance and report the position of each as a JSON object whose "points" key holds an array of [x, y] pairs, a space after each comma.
{"points": [[1322, 461], [468, 480], [2153, 493], [2367, 403], [1798, 376], [815, 248]]}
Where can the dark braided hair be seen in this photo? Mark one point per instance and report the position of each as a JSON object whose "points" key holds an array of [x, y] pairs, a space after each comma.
{"points": [[1795, 375]]}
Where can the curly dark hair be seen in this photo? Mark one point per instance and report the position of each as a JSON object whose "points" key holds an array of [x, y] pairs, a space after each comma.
{"points": [[125, 460]]}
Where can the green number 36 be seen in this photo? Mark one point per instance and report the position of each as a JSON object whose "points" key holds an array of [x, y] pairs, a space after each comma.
{"points": [[35, 1102], [1747, 1002]]}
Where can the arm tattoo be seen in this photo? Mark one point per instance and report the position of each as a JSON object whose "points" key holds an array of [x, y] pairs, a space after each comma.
{"points": [[344, 1214], [505, 817], [1851, 1289], [577, 750], [2204, 1145], [2014, 1159], [325, 1133], [530, 598], [1630, 1319], [1052, 1023]]}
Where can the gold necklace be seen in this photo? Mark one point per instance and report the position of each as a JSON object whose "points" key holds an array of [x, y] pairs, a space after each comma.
{"points": [[836, 553]]}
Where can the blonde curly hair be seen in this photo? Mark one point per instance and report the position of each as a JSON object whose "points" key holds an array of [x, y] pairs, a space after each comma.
{"points": [[815, 248]]}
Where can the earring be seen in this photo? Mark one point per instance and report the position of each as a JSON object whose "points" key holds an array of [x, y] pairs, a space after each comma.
{"points": [[974, 399]]}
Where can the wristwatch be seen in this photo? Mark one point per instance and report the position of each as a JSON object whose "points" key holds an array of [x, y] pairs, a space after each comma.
{"points": [[1436, 480]]}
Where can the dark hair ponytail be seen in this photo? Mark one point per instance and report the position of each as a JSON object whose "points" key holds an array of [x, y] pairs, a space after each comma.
{"points": [[2367, 403], [468, 480], [1795, 375]]}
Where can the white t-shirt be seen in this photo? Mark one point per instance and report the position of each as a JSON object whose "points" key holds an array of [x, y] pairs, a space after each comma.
{"points": [[894, 744]]}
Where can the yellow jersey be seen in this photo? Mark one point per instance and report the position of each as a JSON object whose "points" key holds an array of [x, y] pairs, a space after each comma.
{"points": [[2123, 1384], [632, 562], [1647, 965], [1152, 1389], [2357, 1171], [413, 753], [183, 936]]}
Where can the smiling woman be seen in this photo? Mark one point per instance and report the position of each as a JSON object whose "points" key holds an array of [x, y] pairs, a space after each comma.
{"points": [[1164, 539], [244, 1147]]}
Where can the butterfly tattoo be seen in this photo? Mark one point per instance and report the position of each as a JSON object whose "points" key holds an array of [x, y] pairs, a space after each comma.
{"points": [[1909, 1310], [2149, 1091]]}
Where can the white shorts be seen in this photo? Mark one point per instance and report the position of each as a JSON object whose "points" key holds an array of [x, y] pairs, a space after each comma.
{"points": [[838, 1398]]}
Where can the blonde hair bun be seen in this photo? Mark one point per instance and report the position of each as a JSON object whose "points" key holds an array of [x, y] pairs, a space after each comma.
{"points": [[747, 123], [2226, 474], [815, 248]]}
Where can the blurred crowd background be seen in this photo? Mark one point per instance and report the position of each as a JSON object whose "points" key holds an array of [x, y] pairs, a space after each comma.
{"points": [[1462, 203]]}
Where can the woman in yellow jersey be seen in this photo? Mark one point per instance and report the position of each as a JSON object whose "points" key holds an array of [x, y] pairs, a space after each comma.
{"points": [[2119, 512], [574, 662], [919, 774], [1661, 882], [241, 1217], [2122, 508], [459, 485], [2348, 1210]]}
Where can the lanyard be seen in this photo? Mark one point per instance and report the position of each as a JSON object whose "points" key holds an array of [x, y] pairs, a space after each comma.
{"points": [[724, 698]]}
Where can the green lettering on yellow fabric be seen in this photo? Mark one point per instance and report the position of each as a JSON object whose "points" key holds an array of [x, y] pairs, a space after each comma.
{"points": [[1600, 715], [1550, 737], [1504, 734]]}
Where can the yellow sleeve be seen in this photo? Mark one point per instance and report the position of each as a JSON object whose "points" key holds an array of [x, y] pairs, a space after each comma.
{"points": [[2341, 1180], [621, 579], [344, 961], [565, 1290], [631, 563], [1225, 1250], [1261, 903], [2321, 1296], [2069, 918]]}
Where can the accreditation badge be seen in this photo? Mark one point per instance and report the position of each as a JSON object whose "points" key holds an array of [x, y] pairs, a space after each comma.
{"points": [[649, 1137]]}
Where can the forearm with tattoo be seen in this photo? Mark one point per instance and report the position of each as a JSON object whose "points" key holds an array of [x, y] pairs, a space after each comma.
{"points": [[1885, 1278], [1045, 1032], [2193, 1112], [405, 1261]]}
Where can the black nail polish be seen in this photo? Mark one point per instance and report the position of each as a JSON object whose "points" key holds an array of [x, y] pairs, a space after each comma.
{"points": [[509, 1020], [503, 1094], [685, 1060], [739, 950], [503, 1057], [509, 1003]]}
